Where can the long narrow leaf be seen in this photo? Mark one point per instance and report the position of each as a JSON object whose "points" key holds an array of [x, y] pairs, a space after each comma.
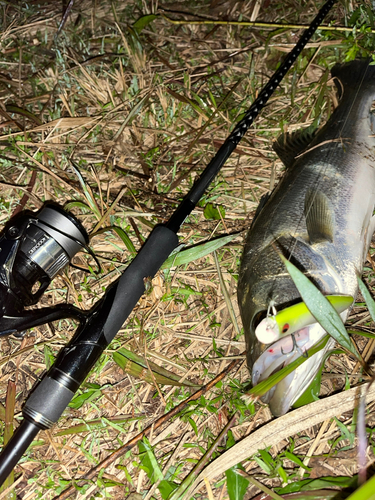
{"points": [[126, 240], [136, 365], [12, 108], [365, 492], [148, 460], [368, 299], [196, 252], [318, 483], [97, 424], [143, 21], [88, 193], [236, 484], [320, 308], [122, 234], [363, 334], [312, 392]]}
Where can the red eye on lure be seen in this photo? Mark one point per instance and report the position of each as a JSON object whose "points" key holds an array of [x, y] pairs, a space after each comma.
{"points": [[285, 328]]}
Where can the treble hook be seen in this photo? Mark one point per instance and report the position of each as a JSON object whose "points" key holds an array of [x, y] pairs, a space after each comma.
{"points": [[295, 347]]}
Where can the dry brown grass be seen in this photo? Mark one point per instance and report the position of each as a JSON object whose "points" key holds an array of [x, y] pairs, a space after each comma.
{"points": [[142, 116]]}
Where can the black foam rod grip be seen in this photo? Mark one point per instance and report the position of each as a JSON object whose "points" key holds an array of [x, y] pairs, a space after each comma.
{"points": [[74, 362], [131, 285]]}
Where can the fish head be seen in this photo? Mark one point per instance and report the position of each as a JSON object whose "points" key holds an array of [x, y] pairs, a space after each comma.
{"points": [[263, 282]]}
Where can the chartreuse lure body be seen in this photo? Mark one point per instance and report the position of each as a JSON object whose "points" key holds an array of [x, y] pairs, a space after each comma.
{"points": [[294, 318]]}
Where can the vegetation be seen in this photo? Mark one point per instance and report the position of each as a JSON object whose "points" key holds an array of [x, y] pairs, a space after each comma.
{"points": [[112, 111]]}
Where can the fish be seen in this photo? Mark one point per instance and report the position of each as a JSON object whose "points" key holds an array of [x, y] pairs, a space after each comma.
{"points": [[320, 217]]}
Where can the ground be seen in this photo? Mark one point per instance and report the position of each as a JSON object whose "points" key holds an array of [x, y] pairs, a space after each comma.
{"points": [[112, 111]]}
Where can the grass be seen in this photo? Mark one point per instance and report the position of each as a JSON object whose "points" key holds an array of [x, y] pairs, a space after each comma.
{"points": [[117, 122]]}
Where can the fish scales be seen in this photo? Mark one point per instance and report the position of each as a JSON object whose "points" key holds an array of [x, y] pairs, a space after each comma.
{"points": [[320, 216]]}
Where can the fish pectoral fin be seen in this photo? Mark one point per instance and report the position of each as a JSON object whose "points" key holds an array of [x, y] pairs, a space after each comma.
{"points": [[288, 146], [319, 217]]}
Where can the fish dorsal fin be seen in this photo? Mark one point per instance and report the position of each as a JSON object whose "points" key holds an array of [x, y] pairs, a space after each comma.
{"points": [[288, 146], [319, 217]]}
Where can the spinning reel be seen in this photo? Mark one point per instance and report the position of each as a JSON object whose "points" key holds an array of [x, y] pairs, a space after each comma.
{"points": [[34, 248]]}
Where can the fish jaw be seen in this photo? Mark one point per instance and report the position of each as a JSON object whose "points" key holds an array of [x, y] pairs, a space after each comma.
{"points": [[282, 396]]}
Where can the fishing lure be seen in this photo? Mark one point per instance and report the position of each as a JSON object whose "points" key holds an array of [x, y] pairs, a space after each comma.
{"points": [[294, 318]]}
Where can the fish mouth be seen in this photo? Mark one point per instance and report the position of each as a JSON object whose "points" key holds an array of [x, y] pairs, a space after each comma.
{"points": [[281, 353]]}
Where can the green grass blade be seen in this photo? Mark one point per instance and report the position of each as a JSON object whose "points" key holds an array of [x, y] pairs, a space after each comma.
{"points": [[318, 484], [88, 193], [368, 299], [149, 462], [311, 394], [136, 365], [97, 424], [236, 484], [363, 334], [122, 234], [365, 492], [143, 21], [126, 240], [196, 252], [12, 108], [320, 308], [77, 204]]}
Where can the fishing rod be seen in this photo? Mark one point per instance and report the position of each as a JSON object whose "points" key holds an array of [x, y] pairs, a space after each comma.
{"points": [[35, 247]]}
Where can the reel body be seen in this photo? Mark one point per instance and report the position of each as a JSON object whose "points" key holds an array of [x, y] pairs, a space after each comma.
{"points": [[34, 248]]}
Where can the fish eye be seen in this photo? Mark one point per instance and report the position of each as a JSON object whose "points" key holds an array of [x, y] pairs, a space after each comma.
{"points": [[285, 328]]}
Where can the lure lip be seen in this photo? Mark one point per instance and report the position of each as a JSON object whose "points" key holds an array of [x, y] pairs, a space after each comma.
{"points": [[291, 388], [267, 331], [280, 353]]}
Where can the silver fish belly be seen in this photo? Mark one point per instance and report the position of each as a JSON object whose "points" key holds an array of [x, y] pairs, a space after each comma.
{"points": [[320, 216]]}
